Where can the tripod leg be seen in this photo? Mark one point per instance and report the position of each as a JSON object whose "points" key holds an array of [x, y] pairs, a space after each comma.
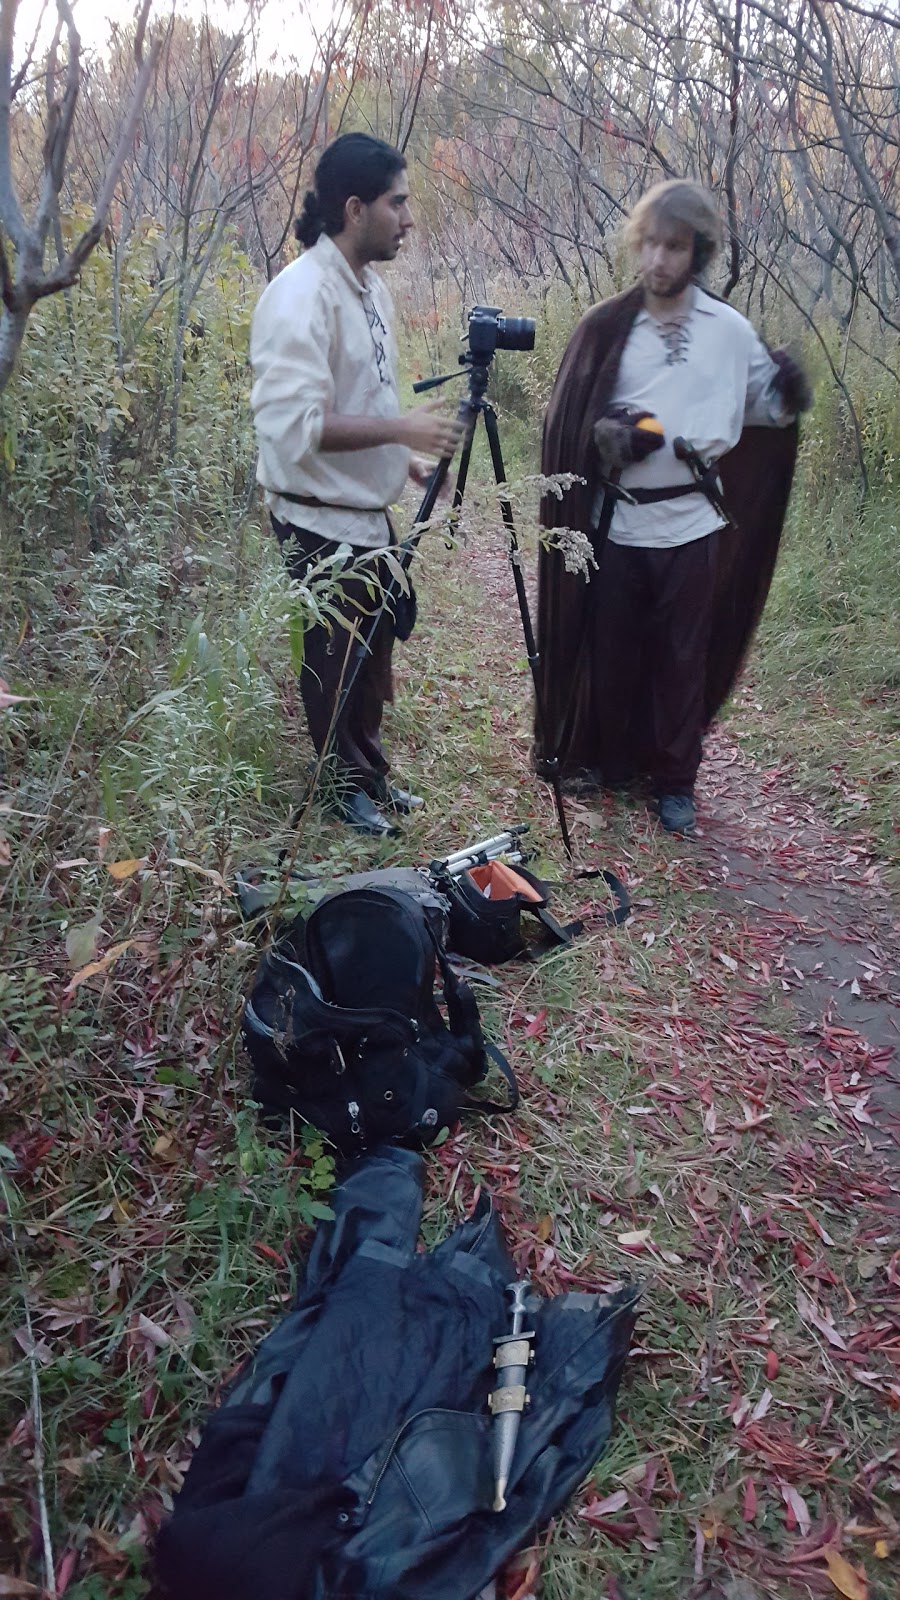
{"points": [[463, 473], [515, 561]]}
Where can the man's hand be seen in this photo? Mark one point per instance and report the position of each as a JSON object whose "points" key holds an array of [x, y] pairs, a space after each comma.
{"points": [[619, 441], [420, 470], [430, 430], [791, 382]]}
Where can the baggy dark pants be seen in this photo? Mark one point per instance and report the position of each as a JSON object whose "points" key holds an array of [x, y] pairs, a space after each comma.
{"points": [[651, 628], [328, 658]]}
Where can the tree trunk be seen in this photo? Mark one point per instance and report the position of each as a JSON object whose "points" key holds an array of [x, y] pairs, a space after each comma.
{"points": [[12, 332]]}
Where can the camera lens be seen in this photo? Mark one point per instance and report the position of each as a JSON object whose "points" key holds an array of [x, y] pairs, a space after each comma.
{"points": [[515, 333]]}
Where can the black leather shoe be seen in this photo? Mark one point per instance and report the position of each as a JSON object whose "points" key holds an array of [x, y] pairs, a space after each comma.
{"points": [[358, 810], [396, 799]]}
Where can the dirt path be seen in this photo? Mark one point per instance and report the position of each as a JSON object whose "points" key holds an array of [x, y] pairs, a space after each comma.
{"points": [[814, 900]]}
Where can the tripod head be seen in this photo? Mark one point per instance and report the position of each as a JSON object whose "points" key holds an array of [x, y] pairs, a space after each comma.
{"points": [[477, 374]]}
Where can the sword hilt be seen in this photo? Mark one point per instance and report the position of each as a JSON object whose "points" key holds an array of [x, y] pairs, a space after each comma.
{"points": [[704, 473], [684, 451], [518, 1307]]}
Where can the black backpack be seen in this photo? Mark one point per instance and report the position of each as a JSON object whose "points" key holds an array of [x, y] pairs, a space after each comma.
{"points": [[343, 1027]]}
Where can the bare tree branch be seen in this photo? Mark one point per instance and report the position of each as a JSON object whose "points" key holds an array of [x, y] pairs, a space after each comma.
{"points": [[25, 281]]}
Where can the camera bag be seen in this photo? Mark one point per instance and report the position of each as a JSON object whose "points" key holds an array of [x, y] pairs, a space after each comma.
{"points": [[343, 1026], [488, 905]]}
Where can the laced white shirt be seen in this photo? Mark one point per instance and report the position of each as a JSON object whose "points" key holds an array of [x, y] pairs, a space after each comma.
{"points": [[323, 341], [705, 376]]}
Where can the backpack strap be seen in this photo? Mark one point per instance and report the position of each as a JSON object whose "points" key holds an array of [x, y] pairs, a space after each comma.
{"points": [[555, 933], [462, 1011], [493, 1107], [562, 934], [622, 908], [462, 1007]]}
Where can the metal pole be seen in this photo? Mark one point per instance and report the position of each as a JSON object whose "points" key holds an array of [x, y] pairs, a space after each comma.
{"points": [[531, 649]]}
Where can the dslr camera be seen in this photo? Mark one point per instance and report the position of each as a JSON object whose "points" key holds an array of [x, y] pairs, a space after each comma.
{"points": [[490, 330]]}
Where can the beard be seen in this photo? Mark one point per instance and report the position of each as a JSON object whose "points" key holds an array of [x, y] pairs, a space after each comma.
{"points": [[673, 290], [377, 247]]}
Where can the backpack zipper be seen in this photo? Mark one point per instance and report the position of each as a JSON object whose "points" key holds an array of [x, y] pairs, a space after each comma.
{"points": [[372, 1017]]}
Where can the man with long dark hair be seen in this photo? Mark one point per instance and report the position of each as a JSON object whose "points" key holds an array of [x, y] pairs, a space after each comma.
{"points": [[680, 425], [334, 450]]}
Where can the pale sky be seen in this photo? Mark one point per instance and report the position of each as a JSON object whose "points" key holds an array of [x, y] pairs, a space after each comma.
{"points": [[283, 28]]}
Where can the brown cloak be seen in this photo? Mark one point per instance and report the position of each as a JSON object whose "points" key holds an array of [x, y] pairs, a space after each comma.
{"points": [[756, 479]]}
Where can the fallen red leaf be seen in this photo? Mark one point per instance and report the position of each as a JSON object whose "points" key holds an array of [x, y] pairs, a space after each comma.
{"points": [[605, 1508], [65, 1571], [520, 1579], [538, 1025], [797, 1510], [268, 1254]]}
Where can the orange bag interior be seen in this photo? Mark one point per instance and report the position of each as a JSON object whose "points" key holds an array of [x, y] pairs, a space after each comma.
{"points": [[498, 882]]}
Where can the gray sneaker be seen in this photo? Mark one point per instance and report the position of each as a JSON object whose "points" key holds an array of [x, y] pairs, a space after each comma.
{"points": [[677, 814]]}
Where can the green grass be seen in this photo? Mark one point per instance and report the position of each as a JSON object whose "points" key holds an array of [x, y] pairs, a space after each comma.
{"points": [[823, 696]]}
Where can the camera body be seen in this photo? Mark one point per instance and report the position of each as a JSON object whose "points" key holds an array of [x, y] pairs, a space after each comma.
{"points": [[490, 330]]}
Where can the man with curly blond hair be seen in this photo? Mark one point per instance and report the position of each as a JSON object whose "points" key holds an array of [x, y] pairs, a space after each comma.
{"points": [[681, 426]]}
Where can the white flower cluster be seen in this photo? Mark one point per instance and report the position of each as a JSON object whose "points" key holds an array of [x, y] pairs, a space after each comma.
{"points": [[577, 551]]}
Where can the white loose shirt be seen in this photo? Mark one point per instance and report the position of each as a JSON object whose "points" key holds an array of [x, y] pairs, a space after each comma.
{"points": [[705, 377], [323, 341]]}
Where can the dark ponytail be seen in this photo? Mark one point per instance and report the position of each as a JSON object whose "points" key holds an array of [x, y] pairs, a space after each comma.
{"points": [[309, 224], [356, 164]]}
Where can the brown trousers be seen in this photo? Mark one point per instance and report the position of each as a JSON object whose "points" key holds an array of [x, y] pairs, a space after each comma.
{"points": [[329, 655], [651, 629]]}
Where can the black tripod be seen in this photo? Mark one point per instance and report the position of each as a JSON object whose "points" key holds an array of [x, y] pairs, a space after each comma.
{"points": [[474, 405], [476, 364]]}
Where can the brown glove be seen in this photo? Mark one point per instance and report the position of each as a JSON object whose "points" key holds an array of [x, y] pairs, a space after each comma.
{"points": [[619, 441]]}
